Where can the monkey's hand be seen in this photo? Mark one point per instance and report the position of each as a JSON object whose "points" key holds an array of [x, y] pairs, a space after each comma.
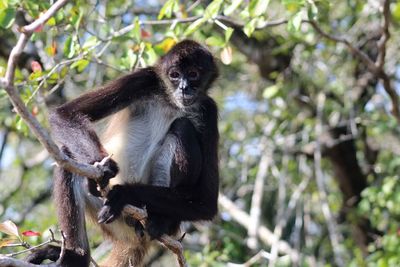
{"points": [[109, 168], [114, 202]]}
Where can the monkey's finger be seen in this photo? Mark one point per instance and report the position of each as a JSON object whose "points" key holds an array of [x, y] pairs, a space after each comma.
{"points": [[106, 215]]}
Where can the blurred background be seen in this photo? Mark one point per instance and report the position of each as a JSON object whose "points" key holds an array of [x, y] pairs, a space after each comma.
{"points": [[310, 145]]}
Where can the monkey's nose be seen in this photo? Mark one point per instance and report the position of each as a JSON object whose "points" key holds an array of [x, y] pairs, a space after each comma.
{"points": [[183, 84]]}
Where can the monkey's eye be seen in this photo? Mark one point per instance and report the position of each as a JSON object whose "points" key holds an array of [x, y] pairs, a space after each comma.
{"points": [[193, 75], [174, 75]]}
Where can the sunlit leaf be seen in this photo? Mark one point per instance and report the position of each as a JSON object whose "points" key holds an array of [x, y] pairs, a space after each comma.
{"points": [[226, 55], [250, 27], [312, 11], [258, 7], [69, 47], [129, 60], [293, 5], [51, 22], [166, 44], [52, 49], [215, 41], [136, 30], [396, 11], [76, 17], [228, 34], [8, 227], [294, 22], [7, 17], [6, 241], [271, 91], [212, 9], [35, 75], [167, 9], [194, 26], [232, 7], [90, 42], [80, 65]]}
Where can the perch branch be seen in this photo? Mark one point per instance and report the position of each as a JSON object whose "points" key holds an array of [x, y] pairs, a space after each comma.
{"points": [[174, 245]]}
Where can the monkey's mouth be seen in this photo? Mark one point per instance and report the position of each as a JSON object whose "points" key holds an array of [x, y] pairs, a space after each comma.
{"points": [[187, 97]]}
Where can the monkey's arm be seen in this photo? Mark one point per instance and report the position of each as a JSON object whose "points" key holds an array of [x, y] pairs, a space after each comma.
{"points": [[70, 123], [194, 192]]}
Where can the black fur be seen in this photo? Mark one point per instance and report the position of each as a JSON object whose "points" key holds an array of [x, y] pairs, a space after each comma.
{"points": [[193, 188]]}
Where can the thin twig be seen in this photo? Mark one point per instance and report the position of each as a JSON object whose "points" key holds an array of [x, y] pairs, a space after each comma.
{"points": [[262, 254], [63, 250], [256, 200], [385, 35], [264, 234], [357, 52]]}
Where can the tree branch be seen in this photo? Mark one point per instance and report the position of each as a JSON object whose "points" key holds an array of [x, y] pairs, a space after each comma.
{"points": [[174, 245], [385, 35], [265, 235], [42, 135]]}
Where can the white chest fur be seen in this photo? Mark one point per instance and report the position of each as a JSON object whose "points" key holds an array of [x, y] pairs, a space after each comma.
{"points": [[134, 136]]}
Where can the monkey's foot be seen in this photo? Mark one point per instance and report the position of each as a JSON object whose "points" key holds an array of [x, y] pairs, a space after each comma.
{"points": [[39, 255]]}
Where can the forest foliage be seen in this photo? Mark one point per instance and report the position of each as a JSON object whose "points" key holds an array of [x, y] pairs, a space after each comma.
{"points": [[309, 120]]}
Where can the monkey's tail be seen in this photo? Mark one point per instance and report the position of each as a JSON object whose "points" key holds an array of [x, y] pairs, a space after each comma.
{"points": [[70, 202]]}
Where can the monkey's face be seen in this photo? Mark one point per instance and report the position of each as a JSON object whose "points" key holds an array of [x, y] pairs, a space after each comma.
{"points": [[186, 84], [188, 70]]}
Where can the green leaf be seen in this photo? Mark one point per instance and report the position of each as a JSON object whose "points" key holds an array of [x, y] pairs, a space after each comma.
{"points": [[228, 34], [293, 5], [294, 22], [7, 17], [396, 11], [167, 9], [80, 65], [90, 42], [232, 7], [271, 91], [129, 59], [76, 18], [150, 55], [194, 26], [212, 9], [3, 4], [312, 11], [258, 7], [69, 47], [136, 30], [35, 75], [215, 41], [51, 22], [250, 27]]}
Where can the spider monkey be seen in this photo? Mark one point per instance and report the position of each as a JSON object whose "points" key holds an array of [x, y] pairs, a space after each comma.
{"points": [[163, 136]]}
